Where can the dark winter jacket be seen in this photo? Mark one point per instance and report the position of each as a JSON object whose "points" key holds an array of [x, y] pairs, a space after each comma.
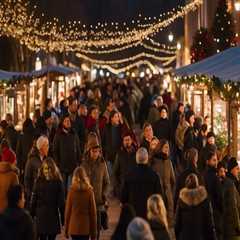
{"points": [[180, 183], [111, 141], [190, 139], [11, 135], [66, 149], [162, 129], [48, 208], [16, 224], [34, 162], [215, 194], [159, 231], [24, 145], [140, 183], [194, 219], [203, 156], [125, 161], [231, 216], [235, 181]]}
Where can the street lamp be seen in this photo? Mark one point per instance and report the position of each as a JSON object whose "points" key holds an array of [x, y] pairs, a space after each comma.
{"points": [[237, 5], [170, 37], [179, 46]]}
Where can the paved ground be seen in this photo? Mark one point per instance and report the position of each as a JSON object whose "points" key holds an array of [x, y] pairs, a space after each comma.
{"points": [[113, 212]]}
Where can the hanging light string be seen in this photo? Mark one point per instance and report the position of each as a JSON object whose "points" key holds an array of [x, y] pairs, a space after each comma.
{"points": [[133, 58], [16, 22]]}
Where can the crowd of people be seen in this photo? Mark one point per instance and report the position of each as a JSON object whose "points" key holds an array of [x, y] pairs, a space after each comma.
{"points": [[116, 139]]}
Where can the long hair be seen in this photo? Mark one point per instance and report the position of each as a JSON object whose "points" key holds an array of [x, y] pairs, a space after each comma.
{"points": [[54, 172], [156, 210], [80, 179], [126, 216]]}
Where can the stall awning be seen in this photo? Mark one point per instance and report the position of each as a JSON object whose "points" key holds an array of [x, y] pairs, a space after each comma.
{"points": [[224, 65], [8, 76], [58, 70]]}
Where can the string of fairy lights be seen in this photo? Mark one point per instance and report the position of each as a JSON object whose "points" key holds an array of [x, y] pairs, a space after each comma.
{"points": [[15, 21]]}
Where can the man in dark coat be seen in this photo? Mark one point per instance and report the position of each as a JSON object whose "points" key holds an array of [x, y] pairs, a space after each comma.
{"points": [[140, 183], [190, 136], [233, 173], [214, 189], [11, 133], [66, 149], [231, 219], [34, 162], [125, 161], [76, 122], [15, 222], [209, 147], [162, 128]]}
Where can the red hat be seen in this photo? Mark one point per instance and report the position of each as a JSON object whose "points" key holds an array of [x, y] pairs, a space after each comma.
{"points": [[8, 155]]}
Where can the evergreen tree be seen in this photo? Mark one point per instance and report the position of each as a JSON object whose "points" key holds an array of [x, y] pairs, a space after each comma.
{"points": [[223, 27], [203, 45]]}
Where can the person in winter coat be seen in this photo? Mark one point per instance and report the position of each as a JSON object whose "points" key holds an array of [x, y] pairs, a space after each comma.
{"points": [[76, 122], [214, 189], [190, 136], [176, 115], [125, 161], [33, 164], [209, 147], [157, 217], [202, 137], [139, 229], [153, 115], [80, 210], [11, 133], [126, 216], [66, 149], [140, 183], [8, 178], [162, 165], [162, 128], [191, 158], [15, 222], [48, 208], [97, 172], [147, 136], [25, 144], [92, 122], [194, 219], [231, 216], [7, 154], [111, 139], [233, 172]]}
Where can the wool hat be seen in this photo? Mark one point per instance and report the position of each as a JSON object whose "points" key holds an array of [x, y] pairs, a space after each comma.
{"points": [[188, 114], [92, 141], [163, 107], [232, 163], [41, 141], [210, 134], [139, 229], [46, 115]]}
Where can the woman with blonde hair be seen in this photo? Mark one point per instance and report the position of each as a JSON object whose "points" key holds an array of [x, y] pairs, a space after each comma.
{"points": [[80, 211], [47, 200], [157, 217]]}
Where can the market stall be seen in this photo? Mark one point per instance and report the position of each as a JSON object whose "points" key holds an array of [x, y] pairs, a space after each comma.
{"points": [[212, 87]]}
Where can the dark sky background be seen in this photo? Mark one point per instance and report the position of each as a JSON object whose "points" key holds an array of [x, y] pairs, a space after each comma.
{"points": [[92, 11]]}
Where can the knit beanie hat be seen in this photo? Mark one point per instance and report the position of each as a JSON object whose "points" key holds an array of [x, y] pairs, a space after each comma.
{"points": [[232, 163], [139, 229], [210, 134], [188, 114], [92, 141], [163, 107]]}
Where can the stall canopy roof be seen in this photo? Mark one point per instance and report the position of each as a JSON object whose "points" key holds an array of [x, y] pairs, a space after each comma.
{"points": [[7, 76], [224, 65], [56, 69]]}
